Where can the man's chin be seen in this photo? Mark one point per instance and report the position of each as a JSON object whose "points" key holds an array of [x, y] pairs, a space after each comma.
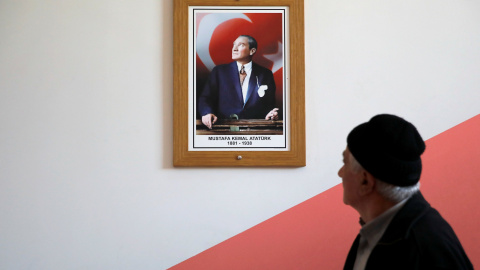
{"points": [[238, 59]]}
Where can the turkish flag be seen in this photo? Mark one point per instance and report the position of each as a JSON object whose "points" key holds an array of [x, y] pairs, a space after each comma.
{"points": [[216, 32]]}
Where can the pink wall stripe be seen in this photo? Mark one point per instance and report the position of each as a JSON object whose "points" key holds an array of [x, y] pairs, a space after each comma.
{"points": [[317, 233]]}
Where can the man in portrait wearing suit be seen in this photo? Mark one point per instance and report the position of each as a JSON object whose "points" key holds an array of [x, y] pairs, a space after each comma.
{"points": [[241, 87]]}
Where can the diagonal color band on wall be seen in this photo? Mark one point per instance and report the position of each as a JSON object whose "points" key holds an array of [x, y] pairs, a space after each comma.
{"points": [[317, 233]]}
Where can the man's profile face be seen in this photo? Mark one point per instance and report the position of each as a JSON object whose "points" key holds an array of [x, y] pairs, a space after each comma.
{"points": [[241, 51], [351, 179]]}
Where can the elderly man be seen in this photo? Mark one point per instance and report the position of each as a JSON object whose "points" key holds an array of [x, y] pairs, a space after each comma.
{"points": [[400, 230], [241, 87]]}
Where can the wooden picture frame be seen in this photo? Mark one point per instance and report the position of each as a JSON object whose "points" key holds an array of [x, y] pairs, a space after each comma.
{"points": [[291, 155]]}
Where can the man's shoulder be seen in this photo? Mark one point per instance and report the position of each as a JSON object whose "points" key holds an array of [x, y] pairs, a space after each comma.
{"points": [[224, 66], [424, 220], [418, 221], [437, 242], [260, 68], [430, 223], [431, 232]]}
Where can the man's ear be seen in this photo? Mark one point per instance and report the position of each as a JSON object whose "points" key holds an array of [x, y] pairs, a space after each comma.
{"points": [[368, 183], [253, 51]]}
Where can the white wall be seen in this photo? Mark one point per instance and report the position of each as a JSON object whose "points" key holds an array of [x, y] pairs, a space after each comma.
{"points": [[86, 176]]}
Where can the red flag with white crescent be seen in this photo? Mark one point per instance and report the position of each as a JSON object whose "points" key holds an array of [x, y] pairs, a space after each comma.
{"points": [[215, 33]]}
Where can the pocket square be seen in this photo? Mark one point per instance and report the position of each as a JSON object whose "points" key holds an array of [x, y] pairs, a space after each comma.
{"points": [[261, 90]]}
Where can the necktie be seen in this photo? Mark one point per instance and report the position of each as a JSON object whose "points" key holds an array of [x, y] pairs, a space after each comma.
{"points": [[243, 74]]}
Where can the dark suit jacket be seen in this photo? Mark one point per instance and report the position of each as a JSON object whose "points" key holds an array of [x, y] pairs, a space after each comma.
{"points": [[418, 238], [222, 94]]}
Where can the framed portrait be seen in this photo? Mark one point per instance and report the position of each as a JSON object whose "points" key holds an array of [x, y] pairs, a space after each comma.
{"points": [[239, 91]]}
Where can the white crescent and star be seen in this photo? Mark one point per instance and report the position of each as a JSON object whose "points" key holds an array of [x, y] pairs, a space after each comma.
{"points": [[276, 58]]}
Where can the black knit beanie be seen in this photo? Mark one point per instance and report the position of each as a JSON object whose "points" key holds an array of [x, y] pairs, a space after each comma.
{"points": [[389, 148]]}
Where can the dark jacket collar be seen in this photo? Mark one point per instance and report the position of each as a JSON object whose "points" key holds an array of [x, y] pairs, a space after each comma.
{"points": [[405, 219]]}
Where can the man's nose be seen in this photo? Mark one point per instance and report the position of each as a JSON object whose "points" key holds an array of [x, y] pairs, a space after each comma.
{"points": [[340, 172]]}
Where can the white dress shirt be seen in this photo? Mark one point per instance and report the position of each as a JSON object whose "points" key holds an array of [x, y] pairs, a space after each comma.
{"points": [[248, 70], [371, 233]]}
